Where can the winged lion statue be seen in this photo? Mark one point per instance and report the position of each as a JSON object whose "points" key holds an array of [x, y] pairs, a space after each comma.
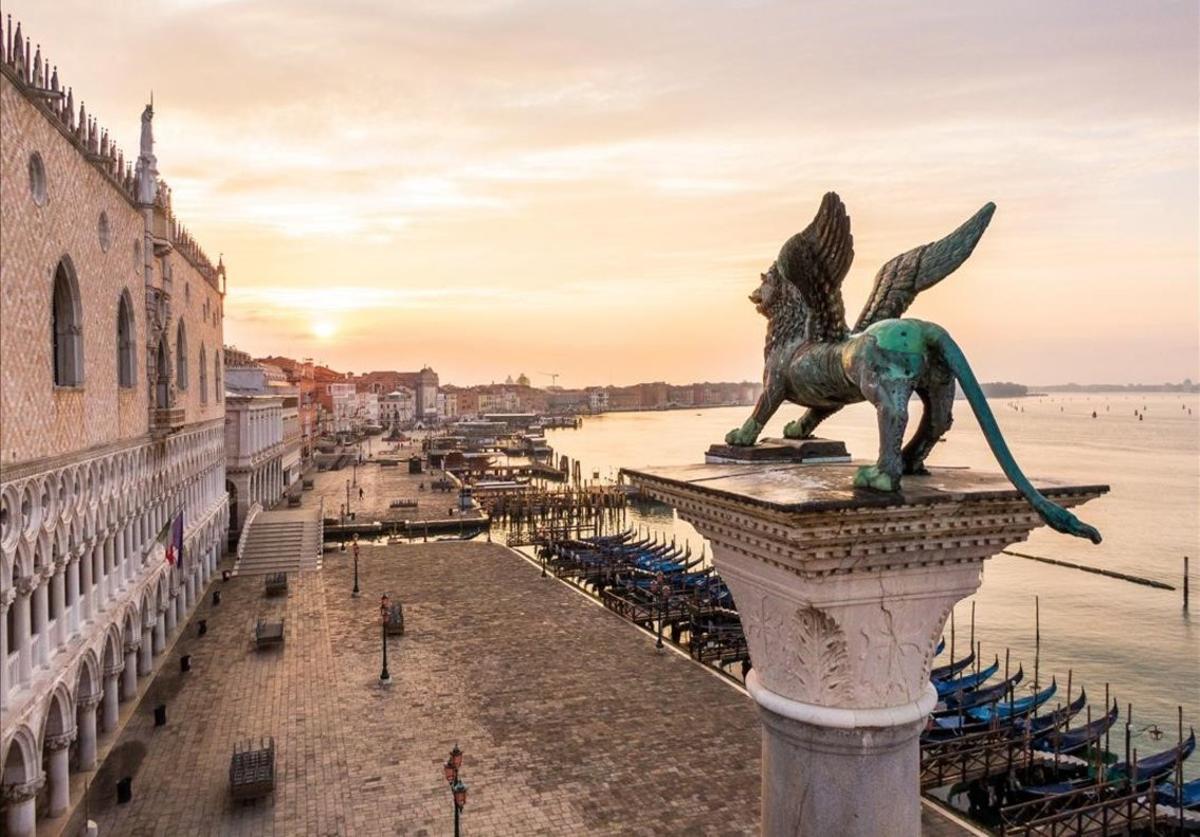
{"points": [[814, 360]]}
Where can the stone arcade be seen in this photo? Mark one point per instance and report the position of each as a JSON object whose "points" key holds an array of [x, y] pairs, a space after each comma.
{"points": [[112, 414]]}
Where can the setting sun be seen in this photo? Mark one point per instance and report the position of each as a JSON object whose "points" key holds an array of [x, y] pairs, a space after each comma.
{"points": [[324, 329]]}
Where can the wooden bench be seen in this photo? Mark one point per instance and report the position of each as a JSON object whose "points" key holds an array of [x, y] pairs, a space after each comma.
{"points": [[252, 769], [395, 619], [268, 633], [276, 584], [403, 504]]}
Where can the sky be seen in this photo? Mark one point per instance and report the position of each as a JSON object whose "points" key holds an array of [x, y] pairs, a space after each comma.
{"points": [[591, 189]]}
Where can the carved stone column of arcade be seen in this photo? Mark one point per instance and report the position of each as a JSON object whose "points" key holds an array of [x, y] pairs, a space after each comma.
{"points": [[160, 631], [843, 595], [20, 800], [129, 674], [169, 615], [110, 706], [85, 711], [59, 773], [146, 650]]}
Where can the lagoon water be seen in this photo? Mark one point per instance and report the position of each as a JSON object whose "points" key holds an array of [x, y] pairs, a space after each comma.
{"points": [[1136, 638]]}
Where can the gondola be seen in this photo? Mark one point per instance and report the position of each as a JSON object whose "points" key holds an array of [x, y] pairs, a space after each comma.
{"points": [[1052, 721], [1187, 796], [944, 729], [957, 701], [966, 683], [951, 669], [1072, 740], [1004, 709], [1139, 774]]}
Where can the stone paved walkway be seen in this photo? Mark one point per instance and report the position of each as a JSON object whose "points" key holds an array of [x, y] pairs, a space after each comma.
{"points": [[570, 721]]}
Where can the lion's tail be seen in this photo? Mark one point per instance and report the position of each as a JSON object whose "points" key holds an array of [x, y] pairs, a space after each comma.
{"points": [[1055, 516]]}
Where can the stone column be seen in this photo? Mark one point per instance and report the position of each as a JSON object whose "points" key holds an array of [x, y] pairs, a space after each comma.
{"points": [[22, 641], [106, 583], [169, 615], [59, 774], [41, 619], [146, 652], [85, 707], [180, 608], [129, 674], [189, 586], [73, 592], [110, 707], [843, 595], [58, 598], [20, 819], [86, 582], [160, 632]]}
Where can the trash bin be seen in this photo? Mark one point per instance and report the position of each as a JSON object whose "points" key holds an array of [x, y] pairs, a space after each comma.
{"points": [[216, 597], [160, 715], [124, 790], [185, 662], [203, 627], [226, 575]]}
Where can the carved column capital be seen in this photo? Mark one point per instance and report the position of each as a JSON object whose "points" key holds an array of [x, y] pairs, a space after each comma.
{"points": [[132, 646], [60, 740], [114, 669], [86, 702], [18, 792], [6, 600], [25, 584]]}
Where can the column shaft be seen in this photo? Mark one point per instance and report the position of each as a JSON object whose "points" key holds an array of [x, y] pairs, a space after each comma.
{"points": [[60, 781]]}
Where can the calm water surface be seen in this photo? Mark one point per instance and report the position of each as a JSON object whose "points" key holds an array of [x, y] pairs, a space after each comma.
{"points": [[1136, 638]]}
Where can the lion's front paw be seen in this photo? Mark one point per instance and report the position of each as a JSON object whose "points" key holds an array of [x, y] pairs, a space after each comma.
{"points": [[742, 437], [798, 429], [869, 476]]}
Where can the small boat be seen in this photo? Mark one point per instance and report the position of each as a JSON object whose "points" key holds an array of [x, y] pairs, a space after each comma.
{"points": [[1054, 720], [1140, 774], [952, 668], [1069, 741], [1187, 796], [957, 701], [966, 683], [1002, 710]]}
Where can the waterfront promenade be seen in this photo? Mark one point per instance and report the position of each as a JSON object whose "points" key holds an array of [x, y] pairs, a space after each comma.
{"points": [[570, 721]]}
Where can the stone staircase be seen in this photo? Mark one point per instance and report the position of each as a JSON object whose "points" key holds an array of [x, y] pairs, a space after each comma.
{"points": [[280, 541]]}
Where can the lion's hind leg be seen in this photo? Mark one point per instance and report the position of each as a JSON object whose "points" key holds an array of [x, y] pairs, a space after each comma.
{"points": [[938, 401], [890, 397]]}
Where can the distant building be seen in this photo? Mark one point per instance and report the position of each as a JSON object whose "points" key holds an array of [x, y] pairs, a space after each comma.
{"points": [[398, 408]]}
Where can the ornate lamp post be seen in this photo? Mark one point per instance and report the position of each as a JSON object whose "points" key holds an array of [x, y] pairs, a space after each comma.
{"points": [[458, 788], [347, 499], [384, 676], [659, 588], [355, 592]]}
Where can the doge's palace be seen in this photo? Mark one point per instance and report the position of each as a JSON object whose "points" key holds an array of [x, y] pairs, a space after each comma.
{"points": [[111, 426]]}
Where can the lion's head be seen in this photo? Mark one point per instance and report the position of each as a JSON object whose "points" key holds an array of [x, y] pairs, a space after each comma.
{"points": [[779, 301]]}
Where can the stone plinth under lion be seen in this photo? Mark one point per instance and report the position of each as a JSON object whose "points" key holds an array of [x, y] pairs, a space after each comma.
{"points": [[843, 595]]}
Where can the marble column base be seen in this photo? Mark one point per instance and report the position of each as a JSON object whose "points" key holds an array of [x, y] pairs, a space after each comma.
{"points": [[844, 780], [20, 819]]}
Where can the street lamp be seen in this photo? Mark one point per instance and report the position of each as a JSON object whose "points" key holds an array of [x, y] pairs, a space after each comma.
{"points": [[347, 499], [383, 618], [659, 588], [355, 591], [458, 789]]}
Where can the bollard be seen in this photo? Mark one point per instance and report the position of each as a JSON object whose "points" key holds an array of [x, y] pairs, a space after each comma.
{"points": [[124, 790], [160, 715], [185, 662], [203, 627], [216, 597]]}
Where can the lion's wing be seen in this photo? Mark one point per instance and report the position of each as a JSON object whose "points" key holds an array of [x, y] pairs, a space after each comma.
{"points": [[900, 280], [816, 261]]}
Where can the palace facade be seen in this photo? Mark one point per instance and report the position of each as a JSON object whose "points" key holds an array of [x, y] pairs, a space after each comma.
{"points": [[111, 426]]}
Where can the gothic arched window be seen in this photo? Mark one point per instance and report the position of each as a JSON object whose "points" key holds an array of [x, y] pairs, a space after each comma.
{"points": [[126, 343], [66, 327], [181, 357], [203, 367]]}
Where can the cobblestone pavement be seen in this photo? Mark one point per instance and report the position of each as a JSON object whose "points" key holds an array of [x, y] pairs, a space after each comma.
{"points": [[380, 487], [570, 721]]}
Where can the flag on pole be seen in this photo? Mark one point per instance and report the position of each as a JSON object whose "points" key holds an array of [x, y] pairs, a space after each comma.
{"points": [[171, 537]]}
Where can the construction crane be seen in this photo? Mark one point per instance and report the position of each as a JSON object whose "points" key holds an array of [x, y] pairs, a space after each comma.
{"points": [[553, 377]]}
